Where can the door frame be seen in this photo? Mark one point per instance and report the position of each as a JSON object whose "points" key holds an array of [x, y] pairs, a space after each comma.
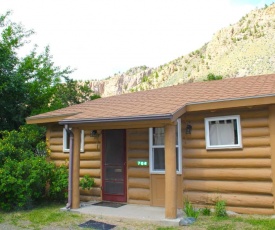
{"points": [[109, 197]]}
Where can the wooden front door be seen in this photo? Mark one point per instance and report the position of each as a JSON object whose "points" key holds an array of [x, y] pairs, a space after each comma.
{"points": [[114, 166]]}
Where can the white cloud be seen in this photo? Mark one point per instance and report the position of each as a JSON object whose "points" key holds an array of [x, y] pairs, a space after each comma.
{"points": [[100, 38]]}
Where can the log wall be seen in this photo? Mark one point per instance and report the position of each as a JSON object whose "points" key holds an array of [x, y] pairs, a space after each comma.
{"points": [[242, 177], [138, 176], [90, 159]]}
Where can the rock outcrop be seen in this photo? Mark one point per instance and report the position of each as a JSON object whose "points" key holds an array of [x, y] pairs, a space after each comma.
{"points": [[245, 48]]}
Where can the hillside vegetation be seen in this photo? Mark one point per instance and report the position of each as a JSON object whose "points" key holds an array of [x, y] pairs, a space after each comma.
{"points": [[243, 49]]}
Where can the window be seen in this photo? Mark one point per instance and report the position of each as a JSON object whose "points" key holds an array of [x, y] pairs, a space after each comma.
{"points": [[66, 141], [223, 132], [157, 149]]}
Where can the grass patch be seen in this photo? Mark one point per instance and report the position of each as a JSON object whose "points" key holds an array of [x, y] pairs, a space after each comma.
{"points": [[49, 216], [244, 222], [1, 218], [222, 227], [267, 224], [166, 228], [44, 215], [220, 219]]}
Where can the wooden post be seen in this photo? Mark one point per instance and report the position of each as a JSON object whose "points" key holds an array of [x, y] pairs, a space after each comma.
{"points": [[272, 146], [76, 167], [170, 172]]}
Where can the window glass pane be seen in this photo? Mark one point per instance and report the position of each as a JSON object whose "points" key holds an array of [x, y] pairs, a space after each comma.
{"points": [[158, 158], [235, 132], [177, 135], [177, 163], [158, 136], [223, 132], [67, 141]]}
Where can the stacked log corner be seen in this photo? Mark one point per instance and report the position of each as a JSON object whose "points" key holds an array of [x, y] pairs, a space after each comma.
{"points": [[241, 177]]}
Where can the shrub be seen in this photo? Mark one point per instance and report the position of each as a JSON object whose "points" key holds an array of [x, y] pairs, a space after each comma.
{"points": [[87, 182], [189, 210], [26, 142], [58, 183], [23, 183], [25, 172], [213, 77], [220, 210], [144, 79]]}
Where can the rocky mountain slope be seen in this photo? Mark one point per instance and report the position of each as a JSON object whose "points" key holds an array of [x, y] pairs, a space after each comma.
{"points": [[243, 49]]}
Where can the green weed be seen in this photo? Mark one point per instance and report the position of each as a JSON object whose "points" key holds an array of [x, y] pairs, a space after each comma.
{"points": [[206, 211], [220, 210], [189, 210]]}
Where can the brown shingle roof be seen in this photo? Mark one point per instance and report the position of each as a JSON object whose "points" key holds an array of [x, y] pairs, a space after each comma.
{"points": [[164, 102]]}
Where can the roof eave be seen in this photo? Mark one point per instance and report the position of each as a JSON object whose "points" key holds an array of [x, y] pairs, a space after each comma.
{"points": [[48, 119], [167, 117], [231, 103]]}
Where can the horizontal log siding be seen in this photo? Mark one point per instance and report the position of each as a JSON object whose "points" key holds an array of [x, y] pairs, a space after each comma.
{"points": [[242, 177], [138, 176], [90, 159]]}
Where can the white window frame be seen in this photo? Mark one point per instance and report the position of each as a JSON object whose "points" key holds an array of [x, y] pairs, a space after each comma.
{"points": [[66, 150], [151, 147], [239, 132]]}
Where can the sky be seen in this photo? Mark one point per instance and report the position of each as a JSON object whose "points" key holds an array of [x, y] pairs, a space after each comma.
{"points": [[99, 38]]}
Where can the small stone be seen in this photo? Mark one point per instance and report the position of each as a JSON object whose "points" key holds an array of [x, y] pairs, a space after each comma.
{"points": [[231, 213], [187, 221]]}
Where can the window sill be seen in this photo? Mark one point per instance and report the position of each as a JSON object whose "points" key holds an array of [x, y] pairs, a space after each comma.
{"points": [[224, 147], [162, 172], [68, 151]]}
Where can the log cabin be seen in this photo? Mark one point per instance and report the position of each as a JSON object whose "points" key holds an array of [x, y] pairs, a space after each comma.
{"points": [[199, 141]]}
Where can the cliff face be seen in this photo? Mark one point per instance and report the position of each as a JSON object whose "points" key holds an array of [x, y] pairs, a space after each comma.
{"points": [[245, 48], [121, 83]]}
